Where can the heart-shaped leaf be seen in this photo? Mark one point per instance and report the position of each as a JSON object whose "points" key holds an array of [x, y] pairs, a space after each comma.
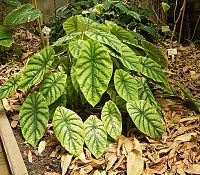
{"points": [[123, 7], [75, 47], [5, 37], [22, 14], [65, 39], [121, 33], [155, 54], [105, 38], [73, 25], [126, 85], [128, 57], [144, 65], [145, 118], [33, 117], [112, 120], [12, 2], [53, 86], [152, 70], [95, 136], [36, 67], [10, 86], [69, 130], [144, 92], [93, 71]]}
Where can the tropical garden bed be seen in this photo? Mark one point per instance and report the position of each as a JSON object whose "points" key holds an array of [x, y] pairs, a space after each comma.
{"points": [[80, 90]]}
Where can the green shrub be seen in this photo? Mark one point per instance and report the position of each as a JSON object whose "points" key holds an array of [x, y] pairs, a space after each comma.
{"points": [[20, 15], [129, 17], [97, 69]]}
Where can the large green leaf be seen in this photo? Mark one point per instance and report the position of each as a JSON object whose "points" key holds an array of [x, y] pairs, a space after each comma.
{"points": [[145, 118], [88, 23], [126, 85], [144, 65], [9, 86], [72, 25], [33, 117], [95, 136], [69, 130], [5, 37], [75, 47], [150, 30], [155, 54], [79, 23], [112, 119], [189, 95], [12, 2], [121, 33], [53, 86], [22, 14], [128, 57], [152, 70], [105, 38], [144, 92], [166, 87], [36, 67], [93, 71], [123, 7], [66, 38]]}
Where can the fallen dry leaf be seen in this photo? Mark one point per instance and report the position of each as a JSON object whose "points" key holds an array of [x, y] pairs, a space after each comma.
{"points": [[193, 169], [137, 145], [86, 169], [185, 137], [41, 146], [6, 105], [26, 55], [15, 117], [128, 146], [103, 173], [135, 164], [120, 143], [119, 162], [180, 171], [97, 172], [112, 158], [51, 173], [65, 162], [16, 107], [14, 123], [30, 157]]}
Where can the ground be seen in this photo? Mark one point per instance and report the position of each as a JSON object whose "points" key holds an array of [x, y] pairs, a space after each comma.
{"points": [[176, 152]]}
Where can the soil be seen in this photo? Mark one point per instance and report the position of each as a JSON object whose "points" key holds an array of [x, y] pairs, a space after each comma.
{"points": [[41, 163]]}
